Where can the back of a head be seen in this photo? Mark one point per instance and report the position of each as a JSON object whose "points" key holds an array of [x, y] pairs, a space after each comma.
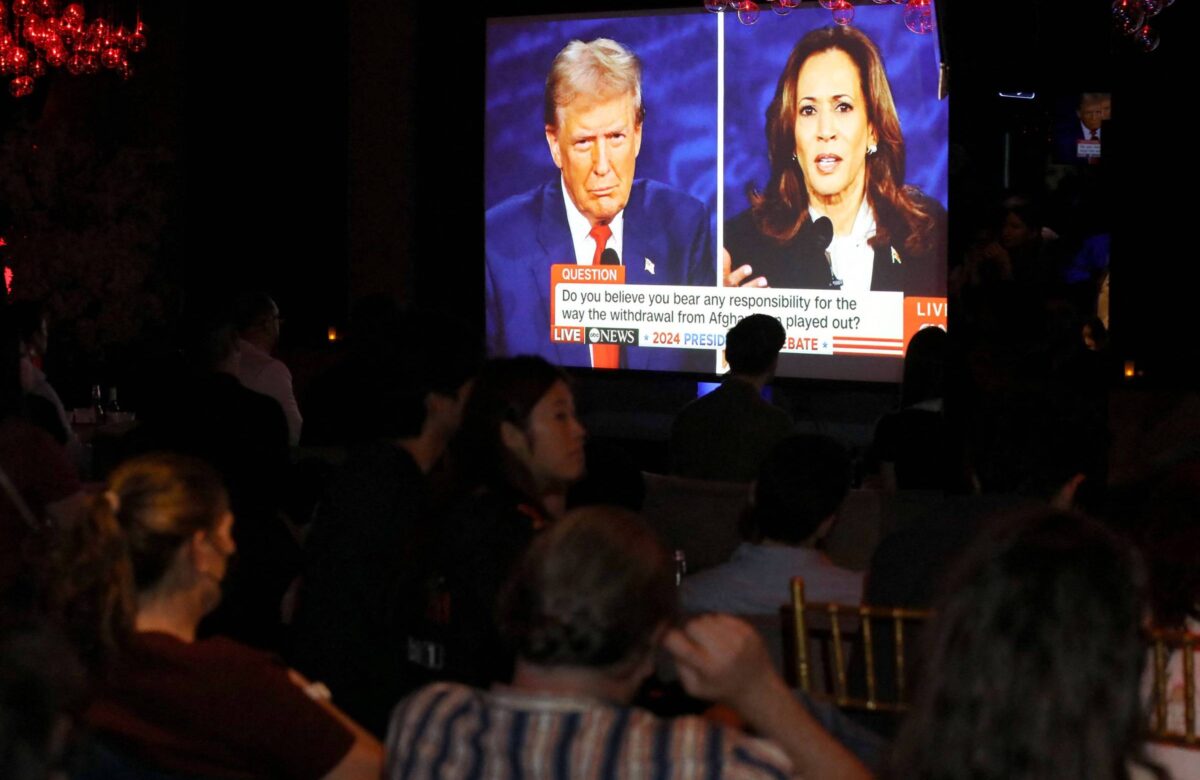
{"points": [[924, 366], [802, 482], [1025, 209], [126, 545], [1033, 659], [160, 501], [432, 358], [251, 308], [752, 345], [590, 592], [209, 336]]}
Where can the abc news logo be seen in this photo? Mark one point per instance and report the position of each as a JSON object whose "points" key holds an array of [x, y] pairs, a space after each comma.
{"points": [[612, 335]]}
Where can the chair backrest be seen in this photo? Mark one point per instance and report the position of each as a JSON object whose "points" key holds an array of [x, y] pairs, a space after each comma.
{"points": [[1173, 695], [699, 517], [826, 636]]}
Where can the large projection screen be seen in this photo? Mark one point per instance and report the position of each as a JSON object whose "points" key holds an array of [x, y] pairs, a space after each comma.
{"points": [[827, 178]]}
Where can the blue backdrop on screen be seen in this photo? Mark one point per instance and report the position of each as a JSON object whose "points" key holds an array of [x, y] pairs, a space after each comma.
{"points": [[756, 55], [679, 90], [679, 58]]}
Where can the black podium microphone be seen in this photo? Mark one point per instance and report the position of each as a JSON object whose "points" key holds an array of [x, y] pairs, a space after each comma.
{"points": [[822, 233], [819, 239], [609, 257]]}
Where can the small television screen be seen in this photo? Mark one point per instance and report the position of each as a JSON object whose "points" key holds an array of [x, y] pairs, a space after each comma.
{"points": [[653, 178], [1079, 127]]}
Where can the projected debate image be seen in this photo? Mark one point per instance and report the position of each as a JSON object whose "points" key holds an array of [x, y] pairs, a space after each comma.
{"points": [[652, 179]]}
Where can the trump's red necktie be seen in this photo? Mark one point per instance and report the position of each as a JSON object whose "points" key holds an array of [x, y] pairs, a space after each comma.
{"points": [[603, 355]]}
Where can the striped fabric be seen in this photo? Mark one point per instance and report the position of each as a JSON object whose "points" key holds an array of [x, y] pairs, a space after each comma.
{"points": [[452, 731]]}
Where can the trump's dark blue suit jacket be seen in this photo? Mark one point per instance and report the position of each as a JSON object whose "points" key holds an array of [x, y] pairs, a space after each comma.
{"points": [[527, 233]]}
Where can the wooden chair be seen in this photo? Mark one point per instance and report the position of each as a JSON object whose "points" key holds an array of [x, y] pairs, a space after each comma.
{"points": [[826, 638], [1171, 650]]}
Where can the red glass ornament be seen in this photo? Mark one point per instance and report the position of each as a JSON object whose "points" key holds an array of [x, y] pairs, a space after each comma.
{"points": [[22, 7], [18, 60], [918, 16], [136, 43], [111, 58], [33, 30], [91, 64], [37, 68], [1147, 38], [843, 12], [73, 13], [747, 12], [69, 28], [116, 37], [45, 7], [1128, 15], [75, 64], [56, 56], [21, 86]]}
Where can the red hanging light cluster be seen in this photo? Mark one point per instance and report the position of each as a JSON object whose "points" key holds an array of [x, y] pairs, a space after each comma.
{"points": [[1132, 19], [35, 37], [918, 14]]}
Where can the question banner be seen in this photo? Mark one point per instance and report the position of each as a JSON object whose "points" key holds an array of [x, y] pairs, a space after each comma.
{"points": [[602, 310]]}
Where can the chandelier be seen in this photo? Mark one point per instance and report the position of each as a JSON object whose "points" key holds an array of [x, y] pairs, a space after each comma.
{"points": [[918, 14], [35, 37]]}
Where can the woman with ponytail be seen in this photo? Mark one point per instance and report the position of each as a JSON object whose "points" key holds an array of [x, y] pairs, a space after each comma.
{"points": [[137, 576]]}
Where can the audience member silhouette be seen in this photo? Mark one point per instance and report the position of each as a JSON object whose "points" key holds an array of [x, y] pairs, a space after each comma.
{"points": [[1032, 663], [39, 486], [243, 434], [795, 499], [133, 581], [259, 324], [912, 446], [726, 434], [374, 529]]}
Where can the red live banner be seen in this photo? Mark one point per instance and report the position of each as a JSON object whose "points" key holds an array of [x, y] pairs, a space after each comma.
{"points": [[922, 313]]}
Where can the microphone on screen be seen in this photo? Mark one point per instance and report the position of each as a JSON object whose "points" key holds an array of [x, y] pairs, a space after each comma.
{"points": [[609, 256], [820, 236], [822, 233]]}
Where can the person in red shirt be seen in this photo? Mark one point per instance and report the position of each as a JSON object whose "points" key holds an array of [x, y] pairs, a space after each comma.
{"points": [[138, 574]]}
